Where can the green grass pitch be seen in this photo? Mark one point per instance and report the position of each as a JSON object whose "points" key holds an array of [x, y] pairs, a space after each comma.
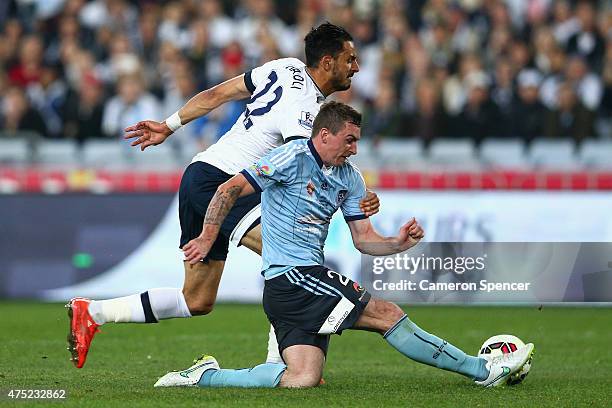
{"points": [[572, 366]]}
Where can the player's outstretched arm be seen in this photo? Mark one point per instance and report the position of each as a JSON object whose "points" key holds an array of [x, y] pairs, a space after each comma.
{"points": [[370, 204], [151, 133], [370, 242], [219, 207]]}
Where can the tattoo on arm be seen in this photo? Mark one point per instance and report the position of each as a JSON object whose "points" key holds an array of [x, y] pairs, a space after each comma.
{"points": [[221, 204]]}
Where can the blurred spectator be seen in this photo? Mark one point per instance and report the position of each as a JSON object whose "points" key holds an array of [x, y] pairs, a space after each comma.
{"points": [[199, 50], [528, 111], [479, 117], [424, 50], [121, 61], [587, 42], [184, 87], [9, 42], [565, 25], [69, 31], [18, 115], [48, 97], [117, 15], [148, 43], [429, 120], [502, 95], [131, 104], [570, 119], [520, 55], [454, 93], [83, 110], [173, 28], [587, 85], [221, 28], [382, 119], [261, 19], [28, 69], [605, 121], [349, 97]]}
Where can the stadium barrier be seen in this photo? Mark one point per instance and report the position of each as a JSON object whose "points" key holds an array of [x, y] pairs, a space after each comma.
{"points": [[53, 181], [116, 244]]}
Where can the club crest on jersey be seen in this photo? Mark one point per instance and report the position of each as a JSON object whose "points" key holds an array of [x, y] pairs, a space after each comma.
{"points": [[262, 169], [310, 188], [306, 120], [341, 196]]}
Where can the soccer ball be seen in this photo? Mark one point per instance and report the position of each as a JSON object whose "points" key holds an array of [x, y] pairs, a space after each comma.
{"points": [[503, 344]]}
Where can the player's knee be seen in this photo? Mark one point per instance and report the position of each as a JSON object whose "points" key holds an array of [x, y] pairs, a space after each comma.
{"points": [[199, 307], [387, 313], [394, 312], [300, 380], [310, 380]]}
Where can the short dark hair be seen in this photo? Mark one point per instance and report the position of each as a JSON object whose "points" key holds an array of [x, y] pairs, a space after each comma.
{"points": [[326, 39], [333, 116]]}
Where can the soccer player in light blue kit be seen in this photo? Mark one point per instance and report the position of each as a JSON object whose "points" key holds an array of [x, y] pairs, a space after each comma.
{"points": [[304, 182]]}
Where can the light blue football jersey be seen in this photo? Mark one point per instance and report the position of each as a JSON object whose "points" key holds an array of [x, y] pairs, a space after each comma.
{"points": [[299, 197]]}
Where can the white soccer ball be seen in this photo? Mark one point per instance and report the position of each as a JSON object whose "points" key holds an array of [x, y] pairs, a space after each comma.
{"points": [[503, 344]]}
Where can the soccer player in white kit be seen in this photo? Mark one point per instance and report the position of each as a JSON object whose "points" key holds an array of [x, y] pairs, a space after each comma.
{"points": [[285, 96]]}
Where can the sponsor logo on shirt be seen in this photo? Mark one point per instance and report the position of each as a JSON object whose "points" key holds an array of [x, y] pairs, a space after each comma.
{"points": [[306, 120]]}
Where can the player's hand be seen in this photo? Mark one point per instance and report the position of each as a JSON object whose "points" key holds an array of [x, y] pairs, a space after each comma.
{"points": [[147, 133], [196, 249], [410, 234], [370, 204]]}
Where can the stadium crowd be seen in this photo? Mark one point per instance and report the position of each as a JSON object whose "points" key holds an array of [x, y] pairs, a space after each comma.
{"points": [[429, 68]]}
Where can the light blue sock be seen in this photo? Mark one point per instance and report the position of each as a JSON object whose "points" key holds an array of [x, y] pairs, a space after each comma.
{"points": [[415, 343], [266, 375]]}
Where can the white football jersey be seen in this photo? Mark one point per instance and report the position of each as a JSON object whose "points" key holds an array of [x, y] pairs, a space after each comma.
{"points": [[283, 105]]}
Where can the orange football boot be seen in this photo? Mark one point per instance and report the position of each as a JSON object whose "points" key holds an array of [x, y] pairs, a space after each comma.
{"points": [[82, 330]]}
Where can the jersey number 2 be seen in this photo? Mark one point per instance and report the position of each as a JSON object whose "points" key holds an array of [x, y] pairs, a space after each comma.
{"points": [[278, 92]]}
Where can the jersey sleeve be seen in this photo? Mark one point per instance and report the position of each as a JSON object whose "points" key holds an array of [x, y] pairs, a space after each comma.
{"points": [[277, 167], [254, 77], [356, 192]]}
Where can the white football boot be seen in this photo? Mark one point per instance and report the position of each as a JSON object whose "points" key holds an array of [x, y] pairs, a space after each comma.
{"points": [[191, 376], [501, 368]]}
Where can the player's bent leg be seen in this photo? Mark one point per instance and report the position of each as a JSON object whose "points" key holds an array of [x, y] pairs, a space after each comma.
{"points": [[379, 316], [206, 373], [304, 366], [85, 315], [201, 285], [252, 240], [417, 344]]}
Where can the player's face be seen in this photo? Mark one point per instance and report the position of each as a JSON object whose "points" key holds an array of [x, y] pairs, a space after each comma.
{"points": [[344, 67], [344, 143]]}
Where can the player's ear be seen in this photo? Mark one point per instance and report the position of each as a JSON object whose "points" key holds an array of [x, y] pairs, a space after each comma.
{"points": [[324, 135], [326, 62]]}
